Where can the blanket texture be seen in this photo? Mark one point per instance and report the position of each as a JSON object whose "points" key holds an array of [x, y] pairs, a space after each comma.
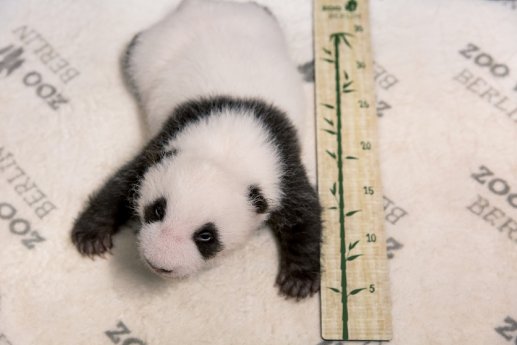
{"points": [[446, 77]]}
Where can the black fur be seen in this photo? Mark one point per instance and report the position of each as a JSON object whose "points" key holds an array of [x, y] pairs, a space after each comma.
{"points": [[207, 248], [155, 212], [257, 199], [170, 153], [296, 223]]}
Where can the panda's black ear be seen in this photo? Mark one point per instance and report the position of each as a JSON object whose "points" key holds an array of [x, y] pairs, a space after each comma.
{"points": [[257, 199]]}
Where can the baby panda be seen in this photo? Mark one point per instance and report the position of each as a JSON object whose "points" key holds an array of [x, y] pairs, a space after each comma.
{"points": [[224, 103]]}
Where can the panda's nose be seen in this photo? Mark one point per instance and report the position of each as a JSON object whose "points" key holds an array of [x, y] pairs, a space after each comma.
{"points": [[158, 269]]}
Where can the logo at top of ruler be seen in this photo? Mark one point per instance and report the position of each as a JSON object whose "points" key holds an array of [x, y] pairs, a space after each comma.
{"points": [[340, 11]]}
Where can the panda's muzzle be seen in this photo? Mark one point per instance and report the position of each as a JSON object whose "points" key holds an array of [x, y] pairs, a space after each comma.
{"points": [[158, 269]]}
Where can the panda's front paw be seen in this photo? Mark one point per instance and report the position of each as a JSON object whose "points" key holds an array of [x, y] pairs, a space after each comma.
{"points": [[90, 240], [298, 283]]}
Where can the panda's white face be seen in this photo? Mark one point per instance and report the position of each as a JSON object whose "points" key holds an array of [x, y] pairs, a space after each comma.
{"points": [[193, 211]]}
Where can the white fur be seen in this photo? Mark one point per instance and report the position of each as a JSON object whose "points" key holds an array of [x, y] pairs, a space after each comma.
{"points": [[215, 48], [208, 48]]}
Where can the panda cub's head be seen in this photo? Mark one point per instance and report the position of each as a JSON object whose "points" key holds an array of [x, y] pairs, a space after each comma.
{"points": [[193, 211]]}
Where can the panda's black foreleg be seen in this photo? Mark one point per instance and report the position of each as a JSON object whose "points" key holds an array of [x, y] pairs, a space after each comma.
{"points": [[299, 274], [297, 227], [106, 211], [112, 205]]}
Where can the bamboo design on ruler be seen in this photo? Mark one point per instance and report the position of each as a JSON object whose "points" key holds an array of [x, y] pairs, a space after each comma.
{"points": [[337, 189]]}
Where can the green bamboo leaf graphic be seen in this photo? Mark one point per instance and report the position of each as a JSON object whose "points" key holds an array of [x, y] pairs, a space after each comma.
{"points": [[341, 35], [352, 245], [327, 51], [335, 290], [351, 213], [329, 121], [328, 60], [333, 189], [331, 154], [346, 85], [330, 106], [353, 257], [337, 38], [351, 157], [356, 291], [345, 40], [329, 131], [332, 208]]}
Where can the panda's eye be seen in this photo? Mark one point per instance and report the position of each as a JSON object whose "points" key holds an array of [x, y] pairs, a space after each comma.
{"points": [[205, 236], [155, 212], [207, 240]]}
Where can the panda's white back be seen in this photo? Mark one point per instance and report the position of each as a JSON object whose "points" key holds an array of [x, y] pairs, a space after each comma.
{"points": [[208, 48]]}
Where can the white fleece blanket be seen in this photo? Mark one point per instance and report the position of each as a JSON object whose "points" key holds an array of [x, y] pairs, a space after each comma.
{"points": [[446, 76]]}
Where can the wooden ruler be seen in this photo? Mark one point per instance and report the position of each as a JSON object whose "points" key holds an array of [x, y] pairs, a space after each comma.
{"points": [[355, 302]]}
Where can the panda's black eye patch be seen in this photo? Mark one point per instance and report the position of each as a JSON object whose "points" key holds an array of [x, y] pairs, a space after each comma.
{"points": [[207, 240], [155, 212]]}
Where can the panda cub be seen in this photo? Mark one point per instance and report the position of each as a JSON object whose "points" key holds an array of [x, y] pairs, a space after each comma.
{"points": [[225, 106]]}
